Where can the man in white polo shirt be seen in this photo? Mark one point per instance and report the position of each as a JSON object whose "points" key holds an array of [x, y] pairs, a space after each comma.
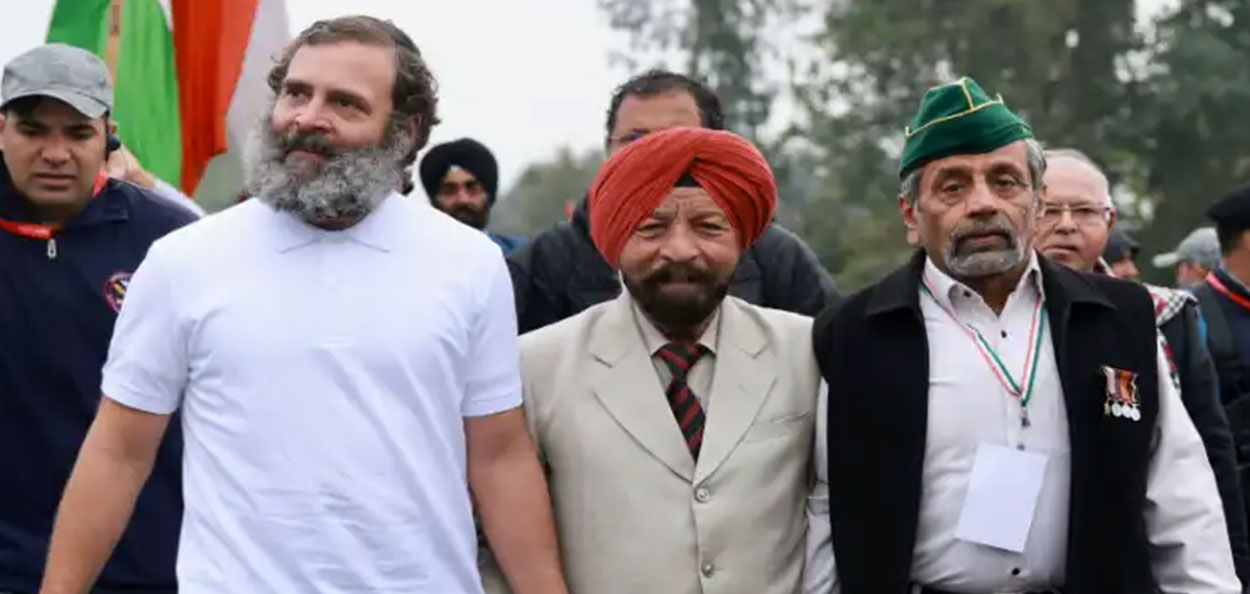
{"points": [[344, 385]]}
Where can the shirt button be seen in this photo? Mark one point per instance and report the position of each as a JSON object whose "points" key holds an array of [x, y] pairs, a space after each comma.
{"points": [[1015, 571], [1020, 447], [708, 569], [702, 495]]}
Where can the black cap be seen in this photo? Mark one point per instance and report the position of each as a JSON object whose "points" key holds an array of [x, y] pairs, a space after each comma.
{"points": [[1233, 210], [1119, 245], [467, 154]]}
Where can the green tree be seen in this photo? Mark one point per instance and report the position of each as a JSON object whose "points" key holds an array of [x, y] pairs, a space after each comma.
{"points": [[721, 41], [539, 197], [1191, 144]]}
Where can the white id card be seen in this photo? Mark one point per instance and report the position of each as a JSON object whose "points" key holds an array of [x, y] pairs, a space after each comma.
{"points": [[1002, 496]]}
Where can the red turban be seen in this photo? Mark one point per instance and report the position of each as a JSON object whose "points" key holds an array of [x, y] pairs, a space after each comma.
{"points": [[636, 180]]}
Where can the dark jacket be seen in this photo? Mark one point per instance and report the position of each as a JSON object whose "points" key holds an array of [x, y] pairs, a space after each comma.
{"points": [[1228, 338], [873, 352], [57, 310], [559, 273], [1200, 392]]}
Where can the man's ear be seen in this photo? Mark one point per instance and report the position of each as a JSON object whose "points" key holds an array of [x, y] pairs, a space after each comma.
{"points": [[111, 128], [908, 209]]}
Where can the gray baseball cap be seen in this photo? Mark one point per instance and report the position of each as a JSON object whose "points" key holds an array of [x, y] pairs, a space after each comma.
{"points": [[1201, 247], [75, 76]]}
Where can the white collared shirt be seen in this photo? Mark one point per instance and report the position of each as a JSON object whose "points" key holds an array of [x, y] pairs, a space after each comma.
{"points": [[323, 379], [968, 405]]}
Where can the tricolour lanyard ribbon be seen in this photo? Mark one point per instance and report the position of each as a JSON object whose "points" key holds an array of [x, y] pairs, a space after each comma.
{"points": [[1023, 389]]}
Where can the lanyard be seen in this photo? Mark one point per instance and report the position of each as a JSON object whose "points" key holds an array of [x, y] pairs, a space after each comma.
{"points": [[1023, 389], [1219, 285], [48, 232]]}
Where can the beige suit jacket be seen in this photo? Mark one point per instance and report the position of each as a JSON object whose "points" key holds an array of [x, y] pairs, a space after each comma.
{"points": [[635, 514]]}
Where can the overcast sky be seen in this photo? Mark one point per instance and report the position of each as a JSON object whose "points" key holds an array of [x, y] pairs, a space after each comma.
{"points": [[525, 77]]}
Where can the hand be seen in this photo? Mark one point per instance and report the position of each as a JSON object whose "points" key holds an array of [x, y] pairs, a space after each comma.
{"points": [[123, 165]]}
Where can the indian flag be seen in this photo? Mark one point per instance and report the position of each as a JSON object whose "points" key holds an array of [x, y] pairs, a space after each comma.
{"points": [[189, 77]]}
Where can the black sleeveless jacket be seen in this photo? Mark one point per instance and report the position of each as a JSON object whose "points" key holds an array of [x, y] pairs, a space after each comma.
{"points": [[873, 352]]}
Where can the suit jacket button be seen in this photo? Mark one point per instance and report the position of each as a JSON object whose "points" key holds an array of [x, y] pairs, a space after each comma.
{"points": [[708, 569], [702, 495]]}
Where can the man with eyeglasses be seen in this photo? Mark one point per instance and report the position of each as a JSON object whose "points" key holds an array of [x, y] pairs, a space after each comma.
{"points": [[1075, 225]]}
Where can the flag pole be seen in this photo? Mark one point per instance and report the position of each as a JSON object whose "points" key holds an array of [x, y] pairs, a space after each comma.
{"points": [[113, 48]]}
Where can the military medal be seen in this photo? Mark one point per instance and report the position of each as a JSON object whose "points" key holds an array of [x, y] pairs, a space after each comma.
{"points": [[1122, 401]]}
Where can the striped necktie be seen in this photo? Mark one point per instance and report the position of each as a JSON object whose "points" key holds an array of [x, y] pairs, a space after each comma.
{"points": [[686, 408]]}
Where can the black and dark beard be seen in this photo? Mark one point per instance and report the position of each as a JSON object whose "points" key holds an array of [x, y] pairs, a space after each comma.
{"points": [[469, 215], [349, 185], [686, 310]]}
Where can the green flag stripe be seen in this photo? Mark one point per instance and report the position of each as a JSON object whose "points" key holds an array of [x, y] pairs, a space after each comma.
{"points": [[80, 23], [146, 94]]}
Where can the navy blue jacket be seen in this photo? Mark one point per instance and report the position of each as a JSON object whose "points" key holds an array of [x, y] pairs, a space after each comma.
{"points": [[56, 320]]}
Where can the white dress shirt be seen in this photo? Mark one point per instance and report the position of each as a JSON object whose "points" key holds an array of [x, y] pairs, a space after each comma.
{"points": [[1190, 551]]}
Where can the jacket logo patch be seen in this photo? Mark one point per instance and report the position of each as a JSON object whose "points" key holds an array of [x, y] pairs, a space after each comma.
{"points": [[1121, 387], [115, 289]]}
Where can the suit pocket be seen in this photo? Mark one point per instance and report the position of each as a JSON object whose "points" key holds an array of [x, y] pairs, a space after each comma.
{"points": [[778, 426]]}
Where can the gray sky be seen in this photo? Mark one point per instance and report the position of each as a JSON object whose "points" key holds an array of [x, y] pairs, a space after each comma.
{"points": [[525, 77]]}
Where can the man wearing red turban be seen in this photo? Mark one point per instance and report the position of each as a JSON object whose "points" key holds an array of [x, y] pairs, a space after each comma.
{"points": [[676, 423], [733, 172]]}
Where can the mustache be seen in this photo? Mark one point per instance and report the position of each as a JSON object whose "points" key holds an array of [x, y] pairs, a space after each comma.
{"points": [[679, 272], [995, 226], [314, 143]]}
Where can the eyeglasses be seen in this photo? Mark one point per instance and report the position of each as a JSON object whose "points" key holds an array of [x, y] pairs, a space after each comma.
{"points": [[1083, 215]]}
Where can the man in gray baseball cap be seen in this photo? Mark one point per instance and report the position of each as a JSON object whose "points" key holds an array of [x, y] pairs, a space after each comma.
{"points": [[1194, 258], [79, 80], [70, 238], [54, 128]]}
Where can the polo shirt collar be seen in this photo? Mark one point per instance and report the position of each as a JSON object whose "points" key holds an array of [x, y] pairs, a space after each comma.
{"points": [[381, 230]]}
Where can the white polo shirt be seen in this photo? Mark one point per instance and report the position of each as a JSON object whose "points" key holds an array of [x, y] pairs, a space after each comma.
{"points": [[323, 379]]}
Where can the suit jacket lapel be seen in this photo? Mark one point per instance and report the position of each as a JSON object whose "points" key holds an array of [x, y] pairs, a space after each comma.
{"points": [[626, 384], [741, 383]]}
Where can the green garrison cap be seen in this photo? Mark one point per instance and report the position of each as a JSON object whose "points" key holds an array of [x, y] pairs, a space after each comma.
{"points": [[959, 118]]}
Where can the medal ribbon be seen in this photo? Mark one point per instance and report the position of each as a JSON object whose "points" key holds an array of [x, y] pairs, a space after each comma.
{"points": [[46, 232], [1223, 289], [1022, 390]]}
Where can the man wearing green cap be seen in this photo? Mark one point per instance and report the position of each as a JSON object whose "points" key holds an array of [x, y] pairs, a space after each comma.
{"points": [[996, 422]]}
